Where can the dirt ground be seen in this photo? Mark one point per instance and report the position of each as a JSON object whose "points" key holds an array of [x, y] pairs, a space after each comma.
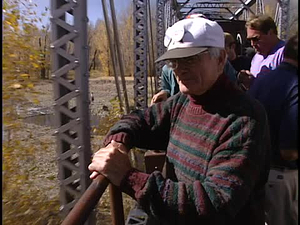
{"points": [[41, 166]]}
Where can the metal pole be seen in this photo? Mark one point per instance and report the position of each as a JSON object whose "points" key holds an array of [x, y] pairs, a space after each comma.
{"points": [[112, 52], [116, 205], [151, 53], [120, 61], [87, 202]]}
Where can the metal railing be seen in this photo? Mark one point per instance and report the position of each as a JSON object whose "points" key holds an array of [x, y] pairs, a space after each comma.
{"points": [[85, 205]]}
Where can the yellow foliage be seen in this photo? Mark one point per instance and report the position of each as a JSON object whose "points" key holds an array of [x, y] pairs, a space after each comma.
{"points": [[30, 85], [35, 65], [25, 75], [36, 101]]}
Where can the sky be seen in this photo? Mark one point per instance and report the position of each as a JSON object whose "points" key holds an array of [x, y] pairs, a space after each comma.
{"points": [[94, 8]]}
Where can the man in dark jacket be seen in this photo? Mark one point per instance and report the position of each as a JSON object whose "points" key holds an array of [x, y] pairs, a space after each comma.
{"points": [[278, 92]]}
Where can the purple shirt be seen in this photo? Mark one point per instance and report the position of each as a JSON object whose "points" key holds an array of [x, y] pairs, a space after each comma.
{"points": [[263, 64]]}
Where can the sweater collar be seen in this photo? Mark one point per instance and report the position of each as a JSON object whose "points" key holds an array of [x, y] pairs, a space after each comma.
{"points": [[220, 89]]}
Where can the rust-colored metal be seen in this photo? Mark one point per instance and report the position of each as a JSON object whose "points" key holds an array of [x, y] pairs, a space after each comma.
{"points": [[116, 205], [154, 160], [79, 214]]}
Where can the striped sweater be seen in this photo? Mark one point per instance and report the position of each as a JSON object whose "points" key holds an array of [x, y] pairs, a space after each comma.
{"points": [[218, 146]]}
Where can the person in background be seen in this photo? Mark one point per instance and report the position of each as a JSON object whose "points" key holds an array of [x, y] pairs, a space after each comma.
{"points": [[238, 62], [169, 86], [215, 137], [262, 33], [278, 92]]}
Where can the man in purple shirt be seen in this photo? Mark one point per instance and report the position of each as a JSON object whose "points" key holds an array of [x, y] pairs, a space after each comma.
{"points": [[262, 33]]}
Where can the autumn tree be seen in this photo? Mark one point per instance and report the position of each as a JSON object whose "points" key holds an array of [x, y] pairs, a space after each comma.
{"points": [[125, 26], [21, 68]]}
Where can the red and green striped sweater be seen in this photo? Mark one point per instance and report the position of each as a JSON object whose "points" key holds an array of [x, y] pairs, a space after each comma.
{"points": [[218, 146]]}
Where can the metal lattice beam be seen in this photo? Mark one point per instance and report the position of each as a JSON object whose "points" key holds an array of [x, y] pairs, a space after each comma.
{"points": [[71, 99], [260, 7], [160, 33], [140, 51], [239, 12], [283, 18]]}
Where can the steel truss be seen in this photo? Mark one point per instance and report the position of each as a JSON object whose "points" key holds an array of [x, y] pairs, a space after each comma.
{"points": [[282, 18], [140, 53], [227, 10], [71, 99], [160, 33], [260, 7]]}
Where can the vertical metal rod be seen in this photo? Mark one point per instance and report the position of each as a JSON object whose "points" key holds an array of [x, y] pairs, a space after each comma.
{"points": [[116, 35], [87, 202], [151, 53], [112, 52], [116, 205]]}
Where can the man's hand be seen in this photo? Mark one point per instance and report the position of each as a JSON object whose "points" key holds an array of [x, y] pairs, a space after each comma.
{"points": [[289, 154], [245, 78], [112, 162], [159, 97]]}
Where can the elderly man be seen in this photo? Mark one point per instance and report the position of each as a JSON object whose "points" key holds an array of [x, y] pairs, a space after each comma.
{"points": [[169, 84], [215, 136], [262, 33]]}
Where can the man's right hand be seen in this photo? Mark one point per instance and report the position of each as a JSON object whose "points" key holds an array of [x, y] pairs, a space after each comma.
{"points": [[159, 97], [245, 78]]}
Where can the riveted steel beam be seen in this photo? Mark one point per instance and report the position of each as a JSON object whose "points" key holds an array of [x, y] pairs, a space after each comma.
{"points": [[140, 53], [71, 91]]}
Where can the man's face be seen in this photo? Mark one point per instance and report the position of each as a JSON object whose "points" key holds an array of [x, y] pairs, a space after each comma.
{"points": [[259, 41], [197, 77], [230, 50]]}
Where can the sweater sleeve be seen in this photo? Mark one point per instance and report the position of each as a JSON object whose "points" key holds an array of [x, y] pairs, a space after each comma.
{"points": [[233, 171], [149, 128]]}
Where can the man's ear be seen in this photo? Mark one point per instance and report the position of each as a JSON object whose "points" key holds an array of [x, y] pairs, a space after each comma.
{"points": [[222, 60], [271, 32]]}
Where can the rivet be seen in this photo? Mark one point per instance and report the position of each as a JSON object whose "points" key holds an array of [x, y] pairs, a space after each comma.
{"points": [[79, 147], [76, 91], [76, 61], [78, 119], [86, 19], [75, 31], [61, 208], [52, 46], [75, 1], [53, 75], [54, 104]]}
